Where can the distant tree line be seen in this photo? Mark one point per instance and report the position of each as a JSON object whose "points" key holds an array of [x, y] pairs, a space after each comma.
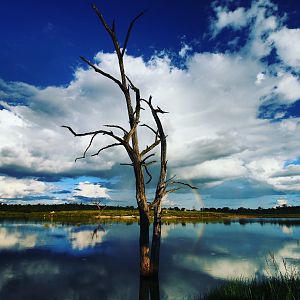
{"points": [[57, 207], [242, 210], [80, 206]]}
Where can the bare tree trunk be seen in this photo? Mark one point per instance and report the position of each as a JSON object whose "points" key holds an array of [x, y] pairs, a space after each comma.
{"points": [[145, 270], [154, 289], [149, 262], [155, 247], [149, 285]]}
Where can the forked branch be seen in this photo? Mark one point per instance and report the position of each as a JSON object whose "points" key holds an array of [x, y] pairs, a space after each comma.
{"points": [[107, 75], [149, 127], [149, 148], [106, 147], [129, 32], [148, 173], [118, 127], [87, 148], [103, 132], [161, 185], [183, 183]]}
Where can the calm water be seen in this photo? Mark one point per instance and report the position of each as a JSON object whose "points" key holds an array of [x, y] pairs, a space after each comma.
{"points": [[53, 261]]}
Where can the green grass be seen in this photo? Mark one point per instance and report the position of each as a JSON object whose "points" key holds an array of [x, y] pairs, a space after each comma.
{"points": [[282, 283], [265, 289], [126, 215], [72, 216]]}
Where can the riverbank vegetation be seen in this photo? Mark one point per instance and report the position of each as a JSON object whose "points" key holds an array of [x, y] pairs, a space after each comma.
{"points": [[282, 282], [266, 289], [92, 213]]}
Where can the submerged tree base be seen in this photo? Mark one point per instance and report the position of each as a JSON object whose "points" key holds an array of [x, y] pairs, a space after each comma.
{"points": [[266, 289]]}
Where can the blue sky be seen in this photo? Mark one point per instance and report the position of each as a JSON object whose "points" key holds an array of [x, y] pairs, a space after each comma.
{"points": [[228, 71]]}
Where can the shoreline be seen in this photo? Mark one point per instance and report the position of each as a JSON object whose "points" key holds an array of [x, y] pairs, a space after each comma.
{"points": [[94, 216]]}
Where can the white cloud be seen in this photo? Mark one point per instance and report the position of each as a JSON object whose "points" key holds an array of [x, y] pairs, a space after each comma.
{"points": [[85, 239], [184, 50], [287, 43], [223, 268], [266, 30], [225, 18], [212, 134], [282, 201], [289, 87], [90, 190], [14, 188], [259, 78], [216, 169], [287, 230], [213, 130], [16, 240], [289, 125], [282, 262]]}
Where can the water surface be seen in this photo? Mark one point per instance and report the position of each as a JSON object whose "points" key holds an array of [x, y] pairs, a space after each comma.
{"points": [[55, 261]]}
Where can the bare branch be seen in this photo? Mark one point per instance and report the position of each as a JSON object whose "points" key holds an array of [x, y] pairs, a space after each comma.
{"points": [[87, 148], [106, 147], [149, 127], [130, 133], [138, 108], [159, 110], [132, 86], [170, 179], [173, 190], [150, 155], [104, 132], [183, 183], [113, 27], [98, 70], [101, 18], [148, 173], [161, 185], [150, 163], [122, 84], [117, 126], [129, 31], [98, 228], [149, 148], [125, 164]]}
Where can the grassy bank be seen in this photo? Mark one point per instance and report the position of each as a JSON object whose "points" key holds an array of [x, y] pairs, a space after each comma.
{"points": [[282, 283], [130, 215], [266, 289]]}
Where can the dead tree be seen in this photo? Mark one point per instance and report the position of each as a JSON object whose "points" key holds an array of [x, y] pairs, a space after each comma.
{"points": [[139, 159]]}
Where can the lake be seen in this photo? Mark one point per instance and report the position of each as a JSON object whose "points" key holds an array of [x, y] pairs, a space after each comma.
{"points": [[55, 261]]}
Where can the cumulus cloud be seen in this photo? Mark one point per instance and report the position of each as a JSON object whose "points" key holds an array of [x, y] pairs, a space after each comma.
{"points": [[18, 188], [90, 190], [287, 43], [236, 18], [16, 240], [86, 239], [214, 169], [288, 87], [215, 131], [266, 30], [223, 268]]}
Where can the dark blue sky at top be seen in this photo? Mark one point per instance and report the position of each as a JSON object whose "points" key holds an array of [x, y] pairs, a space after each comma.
{"points": [[40, 41]]}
